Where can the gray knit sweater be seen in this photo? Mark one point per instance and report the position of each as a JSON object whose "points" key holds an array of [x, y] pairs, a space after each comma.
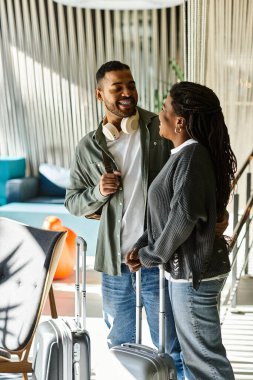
{"points": [[181, 219]]}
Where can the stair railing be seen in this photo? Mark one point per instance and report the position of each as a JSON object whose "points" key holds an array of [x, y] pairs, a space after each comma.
{"points": [[241, 242]]}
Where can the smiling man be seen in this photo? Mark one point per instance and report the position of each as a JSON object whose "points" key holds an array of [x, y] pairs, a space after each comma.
{"points": [[129, 136]]}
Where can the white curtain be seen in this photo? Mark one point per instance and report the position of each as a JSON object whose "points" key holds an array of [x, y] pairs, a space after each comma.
{"points": [[49, 56], [195, 40], [230, 68], [219, 54]]}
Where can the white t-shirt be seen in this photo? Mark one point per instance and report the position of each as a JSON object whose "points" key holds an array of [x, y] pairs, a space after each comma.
{"points": [[126, 151]]}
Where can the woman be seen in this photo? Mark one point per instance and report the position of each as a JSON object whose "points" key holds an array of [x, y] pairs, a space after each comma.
{"points": [[184, 202]]}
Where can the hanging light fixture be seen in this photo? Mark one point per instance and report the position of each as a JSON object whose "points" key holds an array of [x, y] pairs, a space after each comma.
{"points": [[120, 5]]}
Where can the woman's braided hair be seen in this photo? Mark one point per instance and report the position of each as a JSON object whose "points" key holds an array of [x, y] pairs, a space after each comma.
{"points": [[205, 123]]}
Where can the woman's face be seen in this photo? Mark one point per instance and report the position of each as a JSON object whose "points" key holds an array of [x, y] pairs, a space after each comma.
{"points": [[168, 120]]}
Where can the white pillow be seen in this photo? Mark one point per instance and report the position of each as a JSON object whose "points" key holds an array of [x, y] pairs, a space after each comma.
{"points": [[56, 174]]}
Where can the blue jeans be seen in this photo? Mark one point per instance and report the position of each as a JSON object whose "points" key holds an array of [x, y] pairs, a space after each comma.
{"points": [[198, 330], [119, 309]]}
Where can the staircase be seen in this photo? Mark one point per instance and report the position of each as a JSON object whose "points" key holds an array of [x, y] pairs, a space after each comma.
{"points": [[237, 331]]}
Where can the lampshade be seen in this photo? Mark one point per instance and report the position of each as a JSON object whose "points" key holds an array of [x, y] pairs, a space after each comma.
{"points": [[121, 4]]}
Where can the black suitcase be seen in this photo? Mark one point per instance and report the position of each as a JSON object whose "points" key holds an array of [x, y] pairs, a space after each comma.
{"points": [[141, 362], [62, 346]]}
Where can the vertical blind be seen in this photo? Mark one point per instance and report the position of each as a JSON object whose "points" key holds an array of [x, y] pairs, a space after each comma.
{"points": [[49, 56], [195, 40], [229, 68], [219, 54]]}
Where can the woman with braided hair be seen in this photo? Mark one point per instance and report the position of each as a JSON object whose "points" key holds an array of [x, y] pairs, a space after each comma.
{"points": [[184, 202]]}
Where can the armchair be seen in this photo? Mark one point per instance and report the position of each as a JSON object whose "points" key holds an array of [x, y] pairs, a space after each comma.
{"points": [[28, 260]]}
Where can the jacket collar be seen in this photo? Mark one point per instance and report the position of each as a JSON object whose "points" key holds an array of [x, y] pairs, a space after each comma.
{"points": [[99, 136]]}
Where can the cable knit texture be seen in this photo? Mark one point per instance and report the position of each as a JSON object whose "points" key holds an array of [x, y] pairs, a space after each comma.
{"points": [[181, 219]]}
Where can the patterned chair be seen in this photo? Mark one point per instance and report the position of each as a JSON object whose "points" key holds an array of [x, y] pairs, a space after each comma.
{"points": [[28, 260]]}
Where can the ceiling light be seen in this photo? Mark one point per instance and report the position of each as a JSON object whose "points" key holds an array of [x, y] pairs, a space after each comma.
{"points": [[121, 4]]}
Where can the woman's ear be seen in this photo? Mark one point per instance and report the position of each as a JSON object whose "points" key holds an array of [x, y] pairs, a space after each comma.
{"points": [[181, 121]]}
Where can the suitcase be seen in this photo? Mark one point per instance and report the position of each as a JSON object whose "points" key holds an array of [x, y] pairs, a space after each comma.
{"points": [[138, 361], [62, 346]]}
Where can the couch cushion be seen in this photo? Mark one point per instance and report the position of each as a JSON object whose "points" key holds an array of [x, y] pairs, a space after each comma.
{"points": [[3, 201], [11, 167], [2, 189], [53, 180], [21, 189]]}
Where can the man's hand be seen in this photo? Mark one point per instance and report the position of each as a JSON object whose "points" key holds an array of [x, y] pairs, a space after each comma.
{"points": [[109, 183], [222, 224], [132, 260]]}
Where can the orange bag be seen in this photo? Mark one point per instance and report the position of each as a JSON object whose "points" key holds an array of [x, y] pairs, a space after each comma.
{"points": [[68, 257]]}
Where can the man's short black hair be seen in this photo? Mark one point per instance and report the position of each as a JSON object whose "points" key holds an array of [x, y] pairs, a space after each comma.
{"points": [[110, 66]]}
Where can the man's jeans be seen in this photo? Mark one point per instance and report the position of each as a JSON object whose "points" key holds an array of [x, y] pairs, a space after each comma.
{"points": [[119, 308], [198, 330]]}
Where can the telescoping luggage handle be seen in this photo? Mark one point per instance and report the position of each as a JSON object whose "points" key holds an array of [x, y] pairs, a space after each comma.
{"points": [[80, 304], [161, 349]]}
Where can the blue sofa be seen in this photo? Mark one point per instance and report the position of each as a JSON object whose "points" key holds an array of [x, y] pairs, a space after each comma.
{"points": [[31, 199], [10, 167]]}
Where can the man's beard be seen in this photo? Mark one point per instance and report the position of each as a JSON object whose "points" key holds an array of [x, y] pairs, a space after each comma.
{"points": [[117, 112]]}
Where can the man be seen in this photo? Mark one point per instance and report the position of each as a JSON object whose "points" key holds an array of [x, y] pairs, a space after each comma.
{"points": [[129, 136]]}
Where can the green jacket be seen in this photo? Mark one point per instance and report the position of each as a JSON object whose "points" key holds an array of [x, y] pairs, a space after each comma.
{"points": [[83, 196]]}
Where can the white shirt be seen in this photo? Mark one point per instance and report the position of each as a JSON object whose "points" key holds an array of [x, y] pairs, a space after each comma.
{"points": [[126, 151], [178, 148]]}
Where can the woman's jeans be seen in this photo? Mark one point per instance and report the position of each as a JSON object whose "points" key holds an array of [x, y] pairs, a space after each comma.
{"points": [[198, 330], [119, 309]]}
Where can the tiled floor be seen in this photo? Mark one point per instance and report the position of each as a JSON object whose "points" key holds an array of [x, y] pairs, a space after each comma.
{"points": [[237, 329], [237, 333]]}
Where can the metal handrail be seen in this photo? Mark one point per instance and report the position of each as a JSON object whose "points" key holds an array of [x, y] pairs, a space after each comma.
{"points": [[244, 221], [241, 223], [241, 171], [233, 290]]}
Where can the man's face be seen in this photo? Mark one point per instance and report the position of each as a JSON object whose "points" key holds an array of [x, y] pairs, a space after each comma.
{"points": [[118, 92]]}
